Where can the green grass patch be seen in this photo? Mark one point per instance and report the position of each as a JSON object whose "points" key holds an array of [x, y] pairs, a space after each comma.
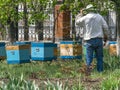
{"points": [[65, 74]]}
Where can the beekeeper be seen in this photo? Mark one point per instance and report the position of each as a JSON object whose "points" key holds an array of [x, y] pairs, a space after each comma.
{"points": [[93, 34]]}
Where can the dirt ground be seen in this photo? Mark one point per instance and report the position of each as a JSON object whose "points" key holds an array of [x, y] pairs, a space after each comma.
{"points": [[87, 82]]}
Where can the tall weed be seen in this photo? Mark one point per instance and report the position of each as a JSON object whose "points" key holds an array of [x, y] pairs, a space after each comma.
{"points": [[18, 84]]}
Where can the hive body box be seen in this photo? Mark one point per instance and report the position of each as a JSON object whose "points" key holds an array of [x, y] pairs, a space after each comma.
{"points": [[70, 50], [113, 47], [17, 54], [2, 50], [22, 42], [43, 51], [62, 24]]}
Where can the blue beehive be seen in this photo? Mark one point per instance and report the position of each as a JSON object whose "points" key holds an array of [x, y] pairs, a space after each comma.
{"points": [[70, 50], [17, 54], [43, 51], [21, 42], [2, 50]]}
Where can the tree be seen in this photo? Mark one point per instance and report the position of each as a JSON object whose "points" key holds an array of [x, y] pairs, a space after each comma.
{"points": [[36, 13], [37, 8], [9, 17], [117, 4], [76, 5]]}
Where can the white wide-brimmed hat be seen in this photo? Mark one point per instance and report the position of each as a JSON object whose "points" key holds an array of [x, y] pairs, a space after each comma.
{"points": [[90, 7]]}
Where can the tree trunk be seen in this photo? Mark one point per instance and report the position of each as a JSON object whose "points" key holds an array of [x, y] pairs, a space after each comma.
{"points": [[73, 29], [55, 18], [118, 28], [13, 32], [118, 33], [26, 22], [39, 30], [13, 28], [16, 24]]}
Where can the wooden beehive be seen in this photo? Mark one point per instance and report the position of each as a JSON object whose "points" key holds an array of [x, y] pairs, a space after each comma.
{"points": [[17, 54], [43, 51], [113, 48], [62, 24], [70, 50]]}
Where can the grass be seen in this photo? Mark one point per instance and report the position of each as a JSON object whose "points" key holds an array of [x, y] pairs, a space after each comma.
{"points": [[64, 74], [41, 69]]}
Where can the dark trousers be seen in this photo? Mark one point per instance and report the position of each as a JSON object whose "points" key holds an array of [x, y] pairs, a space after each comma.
{"points": [[95, 45]]}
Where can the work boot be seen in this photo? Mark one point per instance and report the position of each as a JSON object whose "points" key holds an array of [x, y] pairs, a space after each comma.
{"points": [[88, 71]]}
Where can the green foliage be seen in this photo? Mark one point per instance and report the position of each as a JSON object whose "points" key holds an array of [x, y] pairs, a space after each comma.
{"points": [[62, 86], [110, 83], [8, 11], [111, 62], [75, 5], [18, 84], [57, 86], [37, 8]]}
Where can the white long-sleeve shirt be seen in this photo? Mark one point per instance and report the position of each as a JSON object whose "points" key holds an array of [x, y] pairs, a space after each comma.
{"points": [[94, 25]]}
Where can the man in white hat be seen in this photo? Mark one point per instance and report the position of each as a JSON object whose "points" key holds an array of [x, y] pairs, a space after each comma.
{"points": [[94, 28]]}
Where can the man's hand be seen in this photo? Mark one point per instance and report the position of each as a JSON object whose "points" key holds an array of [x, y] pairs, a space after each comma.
{"points": [[105, 38], [81, 11]]}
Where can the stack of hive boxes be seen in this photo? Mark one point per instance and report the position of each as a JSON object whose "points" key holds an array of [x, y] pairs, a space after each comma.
{"points": [[62, 24]]}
